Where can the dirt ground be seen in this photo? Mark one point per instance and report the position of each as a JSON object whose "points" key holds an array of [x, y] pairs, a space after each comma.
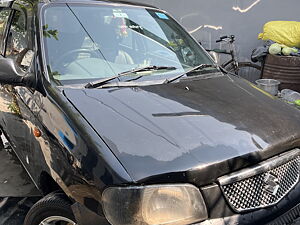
{"points": [[14, 210]]}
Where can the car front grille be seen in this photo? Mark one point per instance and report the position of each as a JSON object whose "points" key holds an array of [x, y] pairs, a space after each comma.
{"points": [[263, 185]]}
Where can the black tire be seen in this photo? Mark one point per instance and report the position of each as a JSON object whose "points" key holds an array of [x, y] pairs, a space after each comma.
{"points": [[54, 204], [249, 64], [249, 71]]}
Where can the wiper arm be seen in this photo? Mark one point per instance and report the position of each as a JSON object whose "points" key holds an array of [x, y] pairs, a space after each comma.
{"points": [[201, 66], [100, 82]]}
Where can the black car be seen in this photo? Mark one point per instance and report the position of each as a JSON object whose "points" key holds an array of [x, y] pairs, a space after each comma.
{"points": [[120, 117]]}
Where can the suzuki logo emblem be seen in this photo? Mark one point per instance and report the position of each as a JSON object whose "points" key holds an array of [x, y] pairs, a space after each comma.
{"points": [[271, 184]]}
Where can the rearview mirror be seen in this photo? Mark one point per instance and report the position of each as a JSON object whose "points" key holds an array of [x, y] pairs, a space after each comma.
{"points": [[10, 73]]}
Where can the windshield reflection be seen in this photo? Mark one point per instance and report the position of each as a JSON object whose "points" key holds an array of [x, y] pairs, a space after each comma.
{"points": [[93, 42]]}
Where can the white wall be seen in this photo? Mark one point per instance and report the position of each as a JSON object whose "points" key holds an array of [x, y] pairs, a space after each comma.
{"points": [[243, 18]]}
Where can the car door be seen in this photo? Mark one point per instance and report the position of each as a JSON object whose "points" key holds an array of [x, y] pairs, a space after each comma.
{"points": [[19, 105]]}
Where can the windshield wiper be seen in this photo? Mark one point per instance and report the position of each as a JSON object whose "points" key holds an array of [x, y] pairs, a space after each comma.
{"points": [[100, 82], [201, 66]]}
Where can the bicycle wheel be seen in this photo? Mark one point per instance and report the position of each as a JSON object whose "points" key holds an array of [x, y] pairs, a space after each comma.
{"points": [[249, 71]]}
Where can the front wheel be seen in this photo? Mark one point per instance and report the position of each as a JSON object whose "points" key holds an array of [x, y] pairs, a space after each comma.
{"points": [[53, 209]]}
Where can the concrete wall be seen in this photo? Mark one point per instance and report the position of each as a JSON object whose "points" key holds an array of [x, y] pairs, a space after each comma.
{"points": [[207, 20]]}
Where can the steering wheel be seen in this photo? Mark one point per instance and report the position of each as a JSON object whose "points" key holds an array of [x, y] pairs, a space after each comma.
{"points": [[61, 61]]}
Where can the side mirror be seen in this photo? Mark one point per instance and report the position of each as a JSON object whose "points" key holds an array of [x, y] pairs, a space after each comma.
{"points": [[11, 74]]}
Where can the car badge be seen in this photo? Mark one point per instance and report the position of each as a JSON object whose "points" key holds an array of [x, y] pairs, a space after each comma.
{"points": [[271, 184]]}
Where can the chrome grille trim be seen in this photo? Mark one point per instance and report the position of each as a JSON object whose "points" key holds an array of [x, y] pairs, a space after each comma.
{"points": [[248, 189]]}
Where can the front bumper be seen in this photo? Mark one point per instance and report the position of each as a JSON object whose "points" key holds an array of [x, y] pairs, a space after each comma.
{"points": [[287, 218], [284, 212], [84, 216], [282, 205]]}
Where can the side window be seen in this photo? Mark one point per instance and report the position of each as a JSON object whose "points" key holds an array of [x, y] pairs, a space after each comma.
{"points": [[18, 41], [4, 15]]}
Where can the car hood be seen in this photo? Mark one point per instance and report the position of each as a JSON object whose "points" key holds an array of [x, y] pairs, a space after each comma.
{"points": [[190, 125]]}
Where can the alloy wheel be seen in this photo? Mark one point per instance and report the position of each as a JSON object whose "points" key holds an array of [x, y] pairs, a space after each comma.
{"points": [[57, 220]]}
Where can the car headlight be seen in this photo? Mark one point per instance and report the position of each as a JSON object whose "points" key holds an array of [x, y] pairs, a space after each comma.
{"points": [[154, 204]]}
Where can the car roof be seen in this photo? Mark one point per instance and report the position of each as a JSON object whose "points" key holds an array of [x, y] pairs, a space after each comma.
{"points": [[6, 3], [125, 2]]}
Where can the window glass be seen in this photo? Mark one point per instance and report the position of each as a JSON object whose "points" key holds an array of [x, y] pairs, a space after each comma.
{"points": [[17, 43], [95, 41], [4, 15]]}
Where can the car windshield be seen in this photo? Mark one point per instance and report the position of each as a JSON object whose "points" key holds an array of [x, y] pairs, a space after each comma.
{"points": [[90, 42]]}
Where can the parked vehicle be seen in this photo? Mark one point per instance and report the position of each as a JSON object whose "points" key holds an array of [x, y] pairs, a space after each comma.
{"points": [[120, 117]]}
